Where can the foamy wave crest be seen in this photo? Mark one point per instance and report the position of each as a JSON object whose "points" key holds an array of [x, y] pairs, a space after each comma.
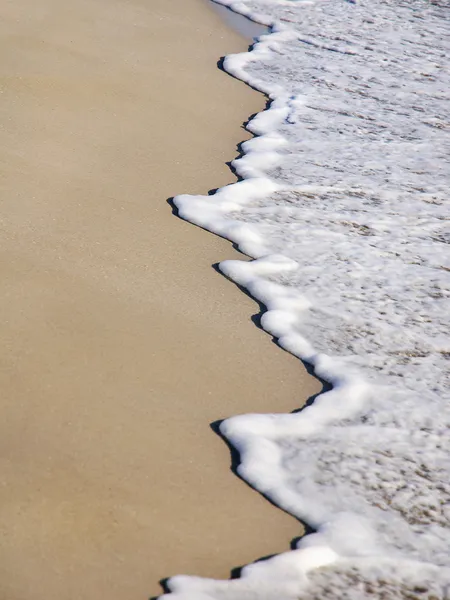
{"points": [[343, 206]]}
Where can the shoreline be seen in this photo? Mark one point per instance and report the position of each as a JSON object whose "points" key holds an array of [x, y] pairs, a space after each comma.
{"points": [[121, 342]]}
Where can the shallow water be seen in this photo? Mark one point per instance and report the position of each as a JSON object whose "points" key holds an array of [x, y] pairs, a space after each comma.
{"points": [[245, 27]]}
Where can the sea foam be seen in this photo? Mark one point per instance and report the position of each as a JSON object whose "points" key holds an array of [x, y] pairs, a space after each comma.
{"points": [[343, 205]]}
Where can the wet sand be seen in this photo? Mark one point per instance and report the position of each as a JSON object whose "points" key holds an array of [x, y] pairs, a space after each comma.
{"points": [[120, 342]]}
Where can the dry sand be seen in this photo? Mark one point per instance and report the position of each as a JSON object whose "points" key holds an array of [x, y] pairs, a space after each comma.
{"points": [[120, 341]]}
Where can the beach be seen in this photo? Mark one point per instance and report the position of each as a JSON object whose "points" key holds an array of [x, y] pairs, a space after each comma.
{"points": [[121, 342]]}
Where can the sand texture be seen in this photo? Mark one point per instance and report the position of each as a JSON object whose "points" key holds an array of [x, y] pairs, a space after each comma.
{"points": [[120, 342]]}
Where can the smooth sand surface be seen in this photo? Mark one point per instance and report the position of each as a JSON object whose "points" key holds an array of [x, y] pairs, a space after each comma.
{"points": [[120, 342]]}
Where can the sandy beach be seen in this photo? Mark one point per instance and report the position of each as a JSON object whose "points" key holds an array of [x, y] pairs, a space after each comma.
{"points": [[120, 342]]}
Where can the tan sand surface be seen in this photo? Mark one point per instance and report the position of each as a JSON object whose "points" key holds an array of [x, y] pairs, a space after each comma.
{"points": [[120, 343]]}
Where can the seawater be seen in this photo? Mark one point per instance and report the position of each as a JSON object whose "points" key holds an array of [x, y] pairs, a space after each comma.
{"points": [[343, 205], [243, 25]]}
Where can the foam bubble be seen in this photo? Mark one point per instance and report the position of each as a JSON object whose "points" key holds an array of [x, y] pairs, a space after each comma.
{"points": [[344, 209]]}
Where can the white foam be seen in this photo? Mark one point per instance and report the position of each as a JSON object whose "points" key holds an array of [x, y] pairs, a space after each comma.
{"points": [[344, 207]]}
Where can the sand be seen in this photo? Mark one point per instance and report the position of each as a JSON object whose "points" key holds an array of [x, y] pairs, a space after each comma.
{"points": [[120, 342]]}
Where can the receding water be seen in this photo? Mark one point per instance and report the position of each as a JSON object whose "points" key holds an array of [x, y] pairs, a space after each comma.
{"points": [[246, 27]]}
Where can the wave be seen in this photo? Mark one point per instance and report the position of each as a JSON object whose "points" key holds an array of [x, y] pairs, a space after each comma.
{"points": [[343, 207]]}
